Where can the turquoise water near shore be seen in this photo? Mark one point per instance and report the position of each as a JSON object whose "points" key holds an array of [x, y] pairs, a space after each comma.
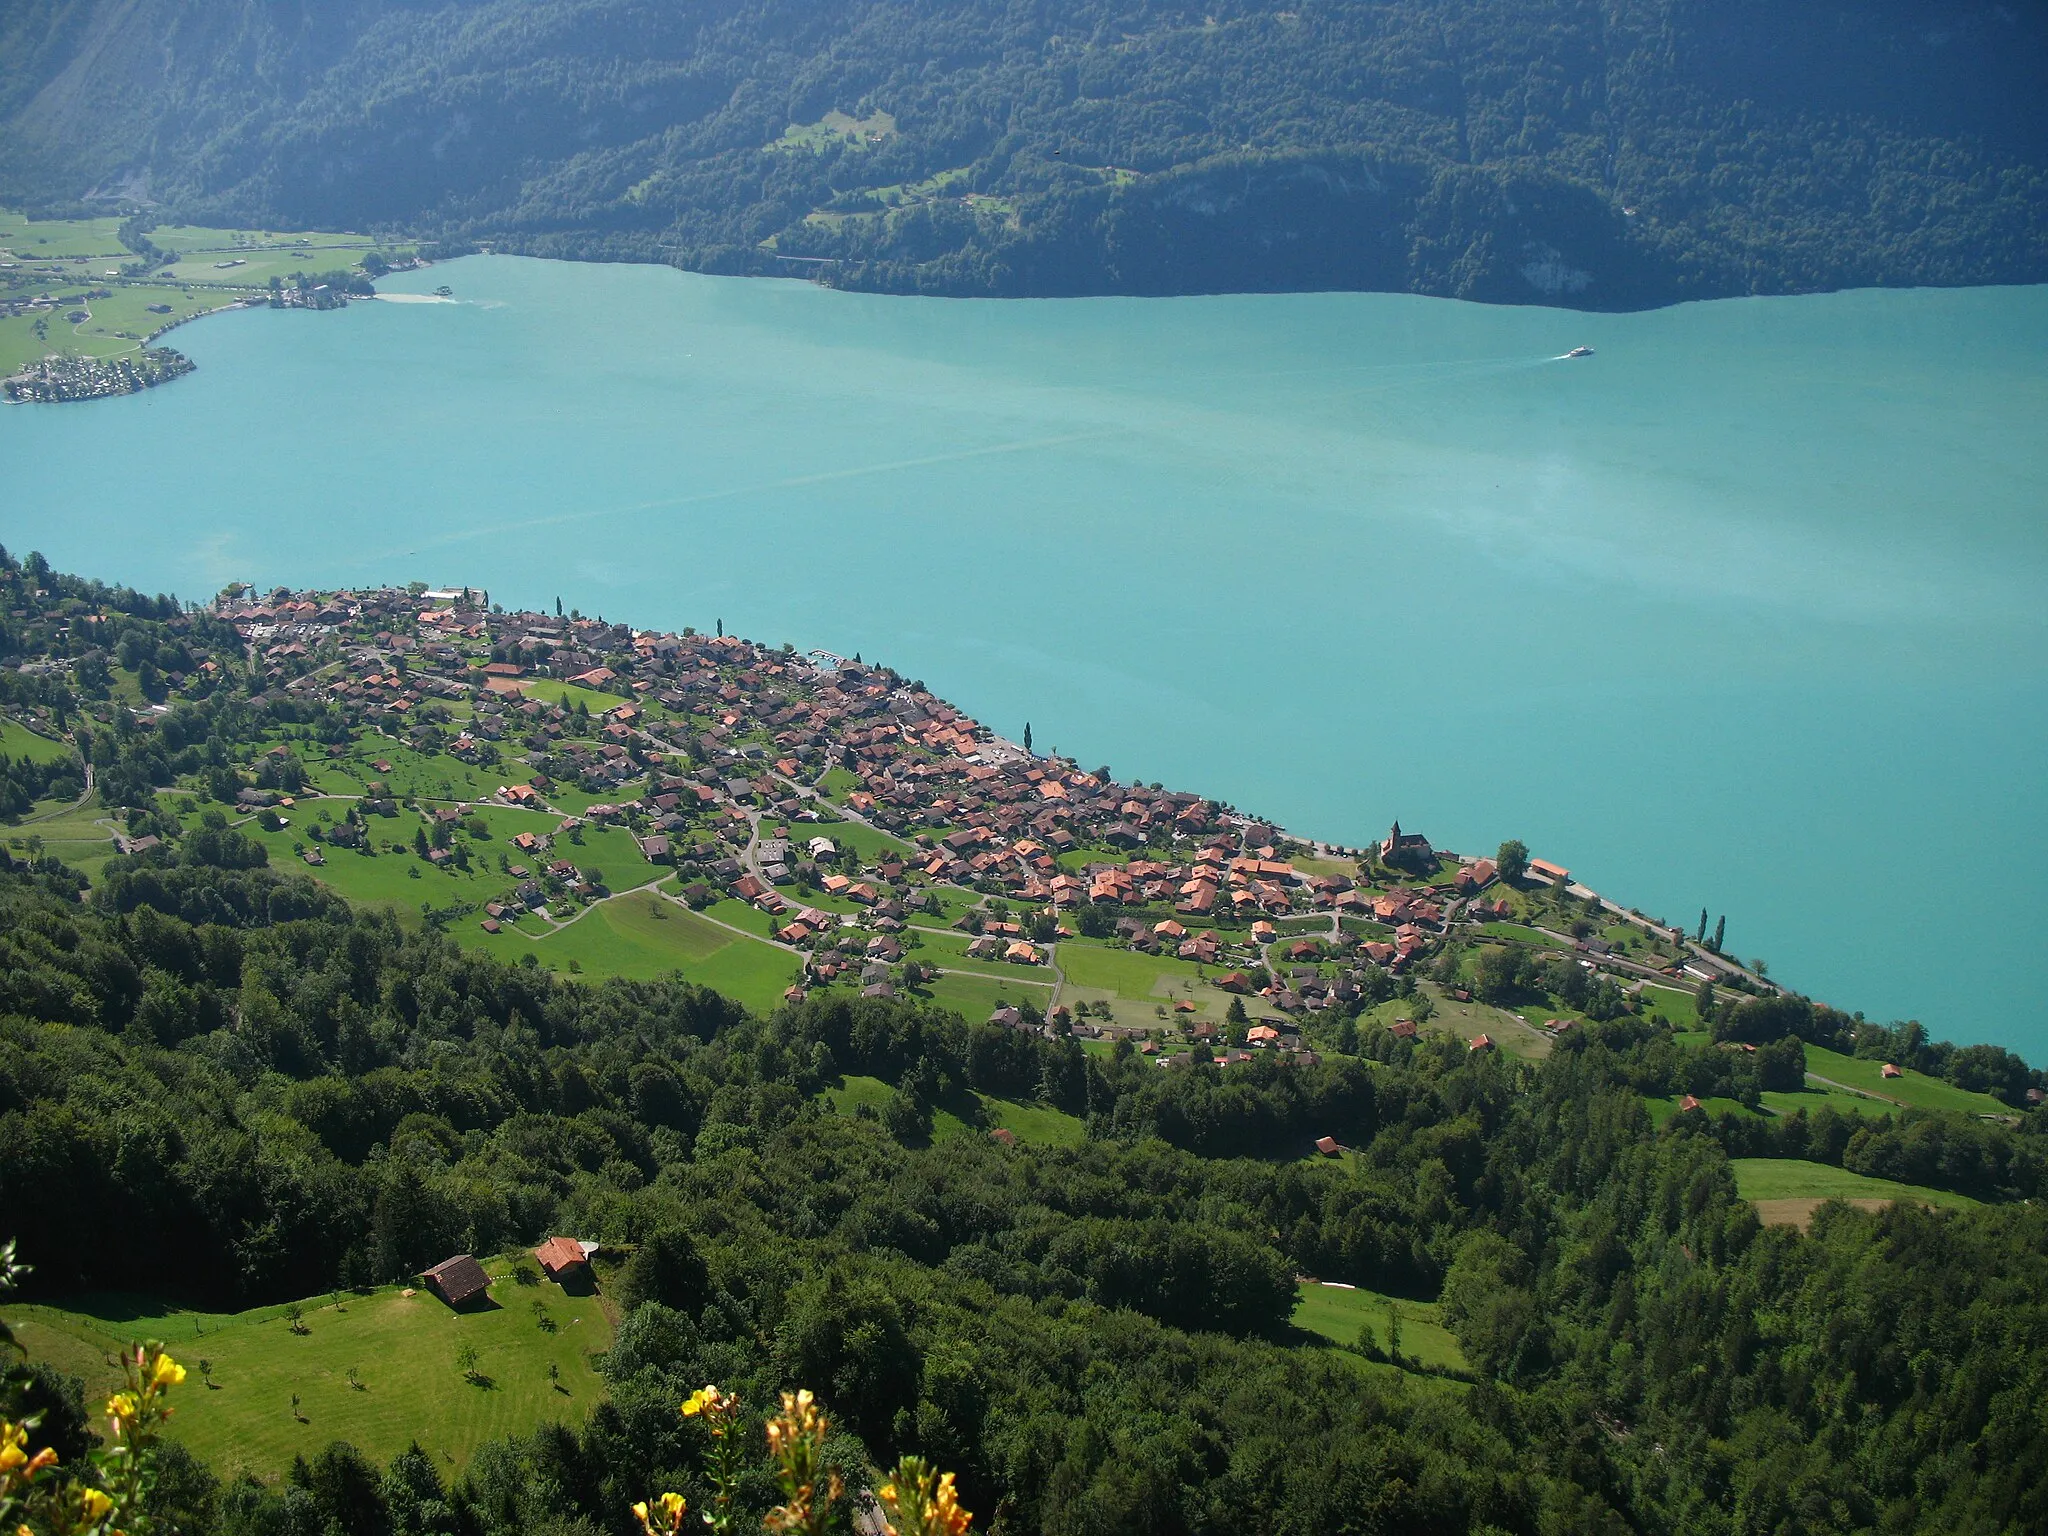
{"points": [[1745, 612]]}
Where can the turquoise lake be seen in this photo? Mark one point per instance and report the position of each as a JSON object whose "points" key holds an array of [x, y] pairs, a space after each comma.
{"points": [[1748, 611]]}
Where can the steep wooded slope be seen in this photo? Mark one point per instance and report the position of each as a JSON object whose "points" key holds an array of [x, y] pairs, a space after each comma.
{"points": [[1597, 152]]}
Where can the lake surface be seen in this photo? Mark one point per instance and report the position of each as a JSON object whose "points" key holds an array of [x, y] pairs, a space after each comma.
{"points": [[1744, 612]]}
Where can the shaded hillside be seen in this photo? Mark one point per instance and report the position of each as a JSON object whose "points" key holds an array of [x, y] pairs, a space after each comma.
{"points": [[1603, 154]]}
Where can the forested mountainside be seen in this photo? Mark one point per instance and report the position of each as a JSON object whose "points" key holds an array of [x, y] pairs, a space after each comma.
{"points": [[1602, 153]]}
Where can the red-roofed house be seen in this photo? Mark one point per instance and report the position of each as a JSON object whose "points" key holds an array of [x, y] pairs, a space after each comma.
{"points": [[562, 1256]]}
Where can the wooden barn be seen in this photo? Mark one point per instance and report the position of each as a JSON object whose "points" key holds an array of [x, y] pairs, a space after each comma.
{"points": [[459, 1281]]}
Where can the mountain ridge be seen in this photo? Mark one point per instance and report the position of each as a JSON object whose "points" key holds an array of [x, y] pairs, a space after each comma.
{"points": [[1615, 155]]}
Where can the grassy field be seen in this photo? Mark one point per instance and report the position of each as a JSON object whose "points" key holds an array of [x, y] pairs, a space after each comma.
{"points": [[18, 741], [72, 256], [1031, 1123], [1136, 986], [641, 936], [1468, 1021], [553, 691], [31, 240], [974, 998], [1914, 1088], [1663, 1109], [835, 127], [869, 842], [82, 836], [950, 951], [403, 1349], [1338, 1314], [1786, 1191], [1814, 1098], [1038, 1123], [412, 774]]}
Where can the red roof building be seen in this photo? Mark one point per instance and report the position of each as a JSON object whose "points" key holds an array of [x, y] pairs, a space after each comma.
{"points": [[559, 1256]]}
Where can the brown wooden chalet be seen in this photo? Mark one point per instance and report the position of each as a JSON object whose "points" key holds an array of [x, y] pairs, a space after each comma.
{"points": [[459, 1281]]}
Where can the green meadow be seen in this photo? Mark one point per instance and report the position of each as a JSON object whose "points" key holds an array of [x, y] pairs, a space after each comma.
{"points": [[1764, 1179], [642, 936], [80, 835], [18, 741], [975, 997], [1036, 1123], [1914, 1089], [1339, 1314], [67, 257], [411, 774], [402, 1348]]}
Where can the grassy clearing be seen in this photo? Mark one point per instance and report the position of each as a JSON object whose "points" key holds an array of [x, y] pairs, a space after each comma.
{"points": [[80, 835], [1133, 976], [34, 240], [855, 1093], [552, 691], [836, 127], [1814, 1099], [403, 1349], [641, 937], [1914, 1088], [1038, 1123], [869, 842], [1338, 1315], [974, 998], [1468, 1021], [411, 774], [1031, 1123], [1768, 1181], [18, 741], [739, 914], [1663, 1109]]}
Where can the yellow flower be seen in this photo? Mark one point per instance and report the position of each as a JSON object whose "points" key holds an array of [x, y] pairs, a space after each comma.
{"points": [[703, 1400], [166, 1373], [121, 1408], [664, 1516], [96, 1503], [922, 1501]]}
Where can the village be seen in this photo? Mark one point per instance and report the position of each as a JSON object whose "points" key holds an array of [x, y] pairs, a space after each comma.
{"points": [[884, 841]]}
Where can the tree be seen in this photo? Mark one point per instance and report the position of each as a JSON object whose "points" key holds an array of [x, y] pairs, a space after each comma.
{"points": [[1512, 859], [667, 1268], [1701, 936], [1027, 735], [1499, 973], [1720, 932], [465, 1360]]}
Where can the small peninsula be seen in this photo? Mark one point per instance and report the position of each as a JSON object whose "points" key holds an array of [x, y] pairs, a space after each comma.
{"points": [[86, 301]]}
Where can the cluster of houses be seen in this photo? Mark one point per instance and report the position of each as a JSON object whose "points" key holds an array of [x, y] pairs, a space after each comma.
{"points": [[724, 736]]}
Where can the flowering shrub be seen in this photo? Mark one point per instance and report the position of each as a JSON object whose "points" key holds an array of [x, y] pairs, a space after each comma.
{"points": [[916, 1499], [40, 1497]]}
